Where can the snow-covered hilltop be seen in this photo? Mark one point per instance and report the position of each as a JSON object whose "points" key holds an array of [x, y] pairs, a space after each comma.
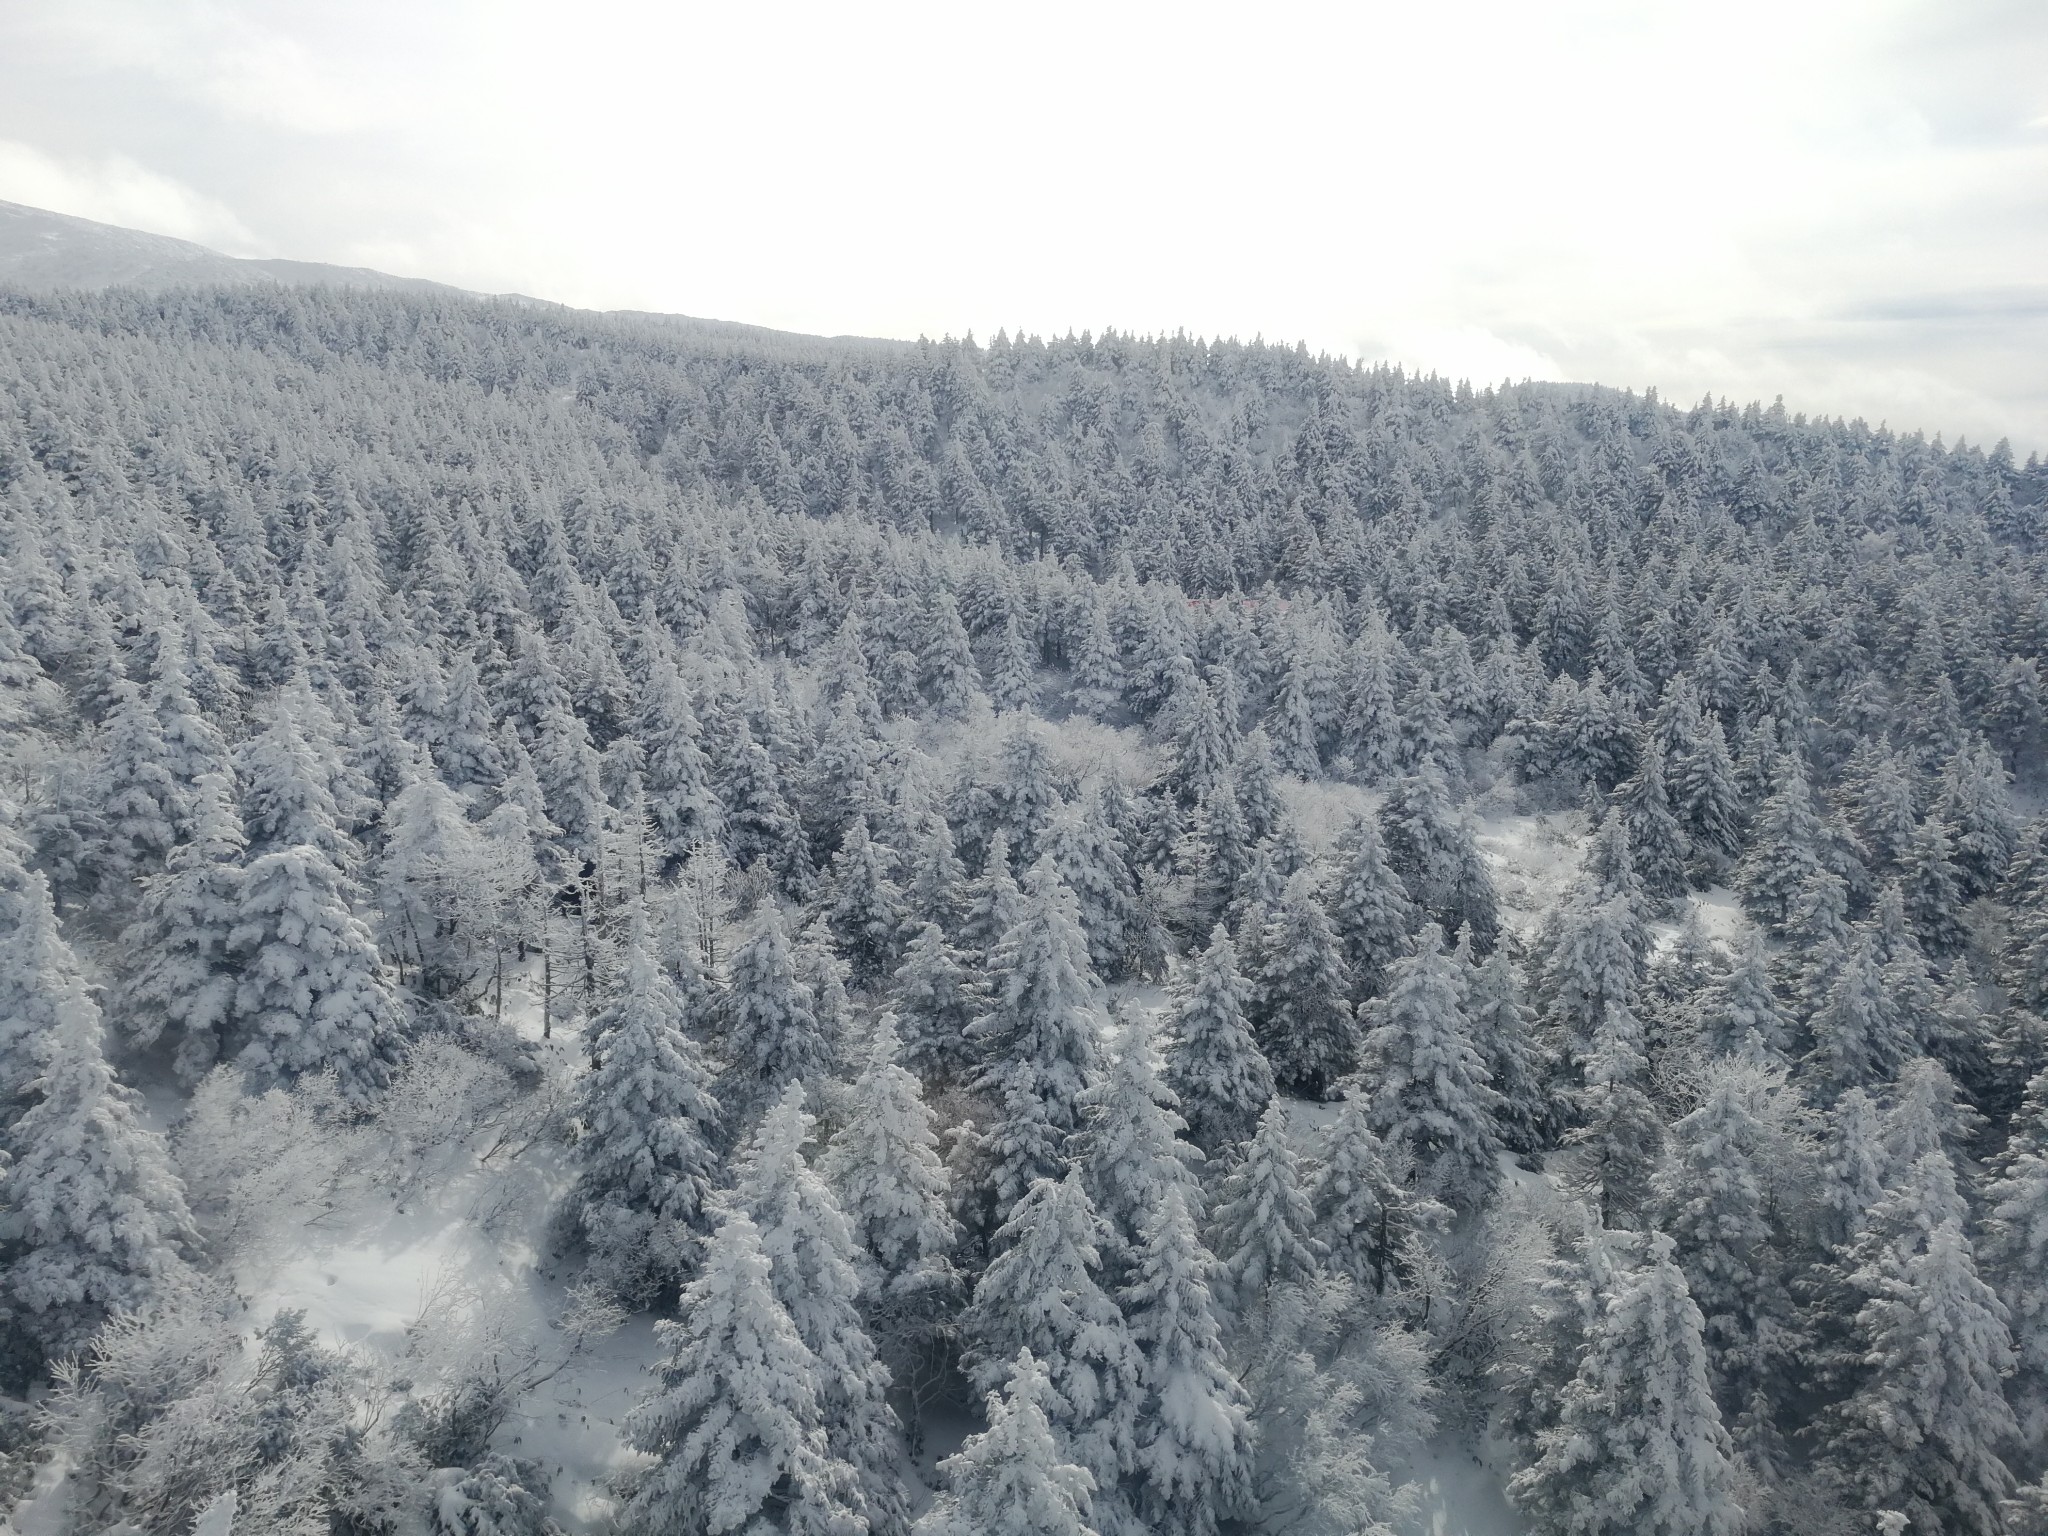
{"points": [[623, 924], [42, 251]]}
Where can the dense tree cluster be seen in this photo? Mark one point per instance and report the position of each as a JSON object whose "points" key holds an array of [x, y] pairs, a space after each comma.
{"points": [[845, 738]]}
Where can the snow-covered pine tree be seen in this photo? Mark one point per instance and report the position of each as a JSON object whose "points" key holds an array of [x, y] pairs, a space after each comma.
{"points": [[193, 746], [937, 880], [735, 1423], [1014, 1478], [1619, 1128], [1975, 805], [1784, 851], [1039, 1042], [1213, 1065], [1430, 1091], [1372, 720], [1098, 681], [1374, 918], [286, 801], [1858, 1038], [466, 751], [647, 1129], [1590, 965], [1217, 853], [1933, 889], [867, 908], [1922, 1429], [141, 806], [1092, 861], [1262, 1230], [1571, 1285], [1041, 1293], [1705, 793], [769, 1021], [311, 995], [2016, 1254], [1368, 1217], [1130, 1148], [429, 876], [1198, 751], [1301, 1013], [1657, 843], [1712, 1196], [1639, 1448], [1013, 680], [992, 902], [1194, 1460], [685, 810], [811, 1255], [936, 997], [95, 1217], [884, 1164], [1518, 1068], [1743, 1004], [182, 976]]}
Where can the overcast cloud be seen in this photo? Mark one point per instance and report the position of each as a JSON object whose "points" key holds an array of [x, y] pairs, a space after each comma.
{"points": [[1845, 202]]}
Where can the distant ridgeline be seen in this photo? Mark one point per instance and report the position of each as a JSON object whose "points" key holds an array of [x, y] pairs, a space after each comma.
{"points": [[389, 679]]}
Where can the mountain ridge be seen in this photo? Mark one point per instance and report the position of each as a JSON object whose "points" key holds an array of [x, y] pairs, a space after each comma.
{"points": [[42, 251]]}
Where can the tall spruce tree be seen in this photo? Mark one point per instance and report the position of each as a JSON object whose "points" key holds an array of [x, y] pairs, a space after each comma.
{"points": [[311, 995], [1374, 918], [647, 1130], [1040, 1041], [1301, 1012], [735, 1422], [769, 1018], [1041, 1293], [182, 979], [1194, 1451], [936, 996], [1014, 1478], [1263, 1228], [811, 1256], [1639, 1448], [1213, 1064], [1431, 1093]]}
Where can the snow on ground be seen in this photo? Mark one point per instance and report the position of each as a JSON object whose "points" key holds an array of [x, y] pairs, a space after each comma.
{"points": [[1532, 858], [466, 1236], [1461, 1494]]}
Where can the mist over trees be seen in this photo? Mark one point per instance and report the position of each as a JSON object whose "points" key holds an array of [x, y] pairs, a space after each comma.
{"points": [[990, 885]]}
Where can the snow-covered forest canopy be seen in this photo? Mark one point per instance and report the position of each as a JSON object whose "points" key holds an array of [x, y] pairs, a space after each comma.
{"points": [[1036, 938]]}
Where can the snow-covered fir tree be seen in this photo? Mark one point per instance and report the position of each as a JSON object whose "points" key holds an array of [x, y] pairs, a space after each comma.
{"points": [[1369, 1217], [1213, 1064], [1431, 1091], [1262, 1230], [936, 996], [734, 1423], [311, 994], [1194, 1462], [182, 980], [1130, 1149], [647, 1129], [1014, 1478], [1301, 1013], [893, 1187], [768, 1015], [1639, 1447], [1042, 1293], [1374, 918], [1040, 1041], [812, 1265]]}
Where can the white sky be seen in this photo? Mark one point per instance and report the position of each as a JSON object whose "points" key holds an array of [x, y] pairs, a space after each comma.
{"points": [[1843, 201]]}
